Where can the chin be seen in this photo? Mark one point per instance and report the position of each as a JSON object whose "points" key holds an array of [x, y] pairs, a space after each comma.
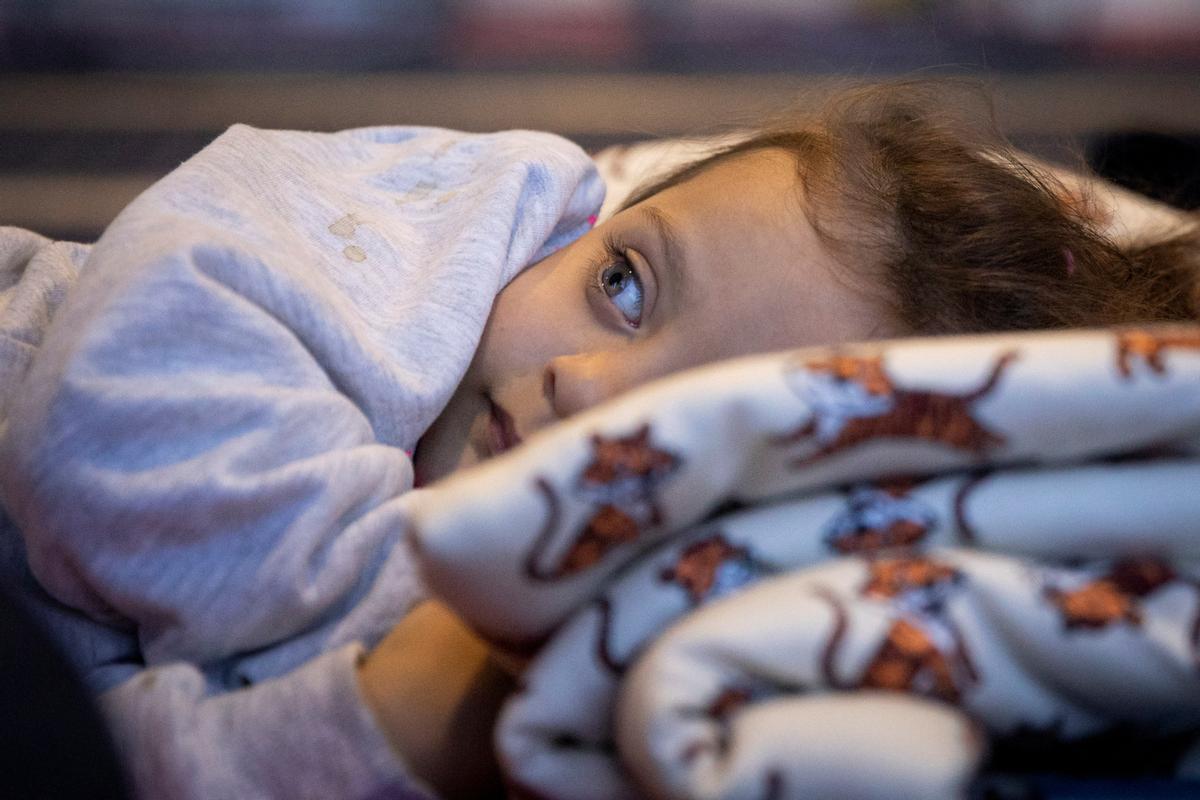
{"points": [[432, 461]]}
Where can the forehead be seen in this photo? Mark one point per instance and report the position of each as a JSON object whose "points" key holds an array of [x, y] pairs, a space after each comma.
{"points": [[758, 276], [751, 184]]}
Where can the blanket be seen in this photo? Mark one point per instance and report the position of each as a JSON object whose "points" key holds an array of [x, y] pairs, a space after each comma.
{"points": [[840, 571]]}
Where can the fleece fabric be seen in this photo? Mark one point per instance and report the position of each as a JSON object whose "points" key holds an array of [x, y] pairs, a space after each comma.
{"points": [[841, 571], [204, 420]]}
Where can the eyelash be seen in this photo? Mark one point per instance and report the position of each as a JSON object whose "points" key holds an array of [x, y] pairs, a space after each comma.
{"points": [[614, 255]]}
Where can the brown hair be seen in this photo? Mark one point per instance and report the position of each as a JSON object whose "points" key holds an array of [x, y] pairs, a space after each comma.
{"points": [[955, 229]]}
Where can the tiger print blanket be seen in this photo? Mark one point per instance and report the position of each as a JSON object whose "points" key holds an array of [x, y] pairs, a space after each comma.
{"points": [[840, 572]]}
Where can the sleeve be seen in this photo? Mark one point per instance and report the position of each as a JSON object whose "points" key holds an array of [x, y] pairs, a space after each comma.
{"points": [[207, 442], [307, 734], [182, 461]]}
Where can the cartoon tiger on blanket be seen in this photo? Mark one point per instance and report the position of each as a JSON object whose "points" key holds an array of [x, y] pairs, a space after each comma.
{"points": [[1111, 598], [922, 651], [879, 517], [854, 400], [1149, 348], [621, 480]]}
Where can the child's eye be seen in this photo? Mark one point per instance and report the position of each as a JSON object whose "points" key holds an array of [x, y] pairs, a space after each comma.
{"points": [[620, 282]]}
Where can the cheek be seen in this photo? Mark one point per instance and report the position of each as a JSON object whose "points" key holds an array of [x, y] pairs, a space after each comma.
{"points": [[533, 321]]}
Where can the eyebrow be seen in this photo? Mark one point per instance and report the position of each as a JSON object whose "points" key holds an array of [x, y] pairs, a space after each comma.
{"points": [[673, 245]]}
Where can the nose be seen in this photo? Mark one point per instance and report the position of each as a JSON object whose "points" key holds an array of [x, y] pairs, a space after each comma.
{"points": [[573, 383]]}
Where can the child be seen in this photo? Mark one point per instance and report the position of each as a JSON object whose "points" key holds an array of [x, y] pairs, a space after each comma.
{"points": [[200, 453]]}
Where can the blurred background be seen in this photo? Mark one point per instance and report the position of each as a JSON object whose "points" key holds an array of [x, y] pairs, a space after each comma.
{"points": [[98, 98]]}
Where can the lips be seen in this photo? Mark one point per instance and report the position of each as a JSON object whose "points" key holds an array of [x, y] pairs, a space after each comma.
{"points": [[502, 431]]}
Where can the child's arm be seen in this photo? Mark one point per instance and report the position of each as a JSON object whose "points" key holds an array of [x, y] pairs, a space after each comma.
{"points": [[417, 711], [307, 734], [436, 691]]}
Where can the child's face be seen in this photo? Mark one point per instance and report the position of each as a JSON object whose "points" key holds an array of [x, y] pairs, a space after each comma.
{"points": [[721, 265]]}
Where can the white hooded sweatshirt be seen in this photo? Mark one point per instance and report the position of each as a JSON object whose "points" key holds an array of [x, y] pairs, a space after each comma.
{"points": [[203, 426]]}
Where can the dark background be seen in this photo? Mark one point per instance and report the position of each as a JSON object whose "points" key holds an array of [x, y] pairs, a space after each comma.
{"points": [[100, 97]]}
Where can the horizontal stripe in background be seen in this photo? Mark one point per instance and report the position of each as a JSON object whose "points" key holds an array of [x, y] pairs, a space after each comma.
{"points": [[74, 149]]}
